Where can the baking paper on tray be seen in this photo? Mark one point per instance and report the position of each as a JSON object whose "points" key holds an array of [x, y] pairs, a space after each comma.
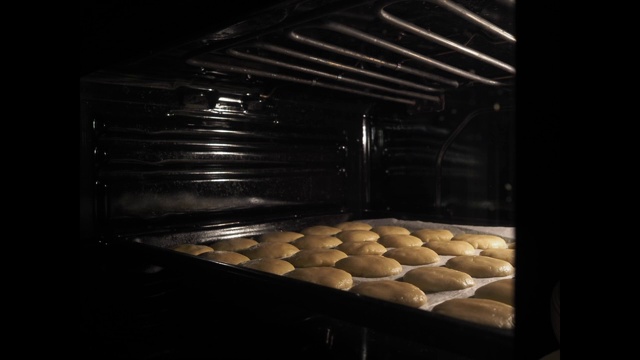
{"points": [[433, 299]]}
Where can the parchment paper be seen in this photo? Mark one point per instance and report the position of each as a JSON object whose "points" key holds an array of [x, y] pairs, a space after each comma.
{"points": [[433, 299]]}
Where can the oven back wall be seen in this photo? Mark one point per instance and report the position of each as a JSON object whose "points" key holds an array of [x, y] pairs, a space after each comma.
{"points": [[456, 165], [165, 159]]}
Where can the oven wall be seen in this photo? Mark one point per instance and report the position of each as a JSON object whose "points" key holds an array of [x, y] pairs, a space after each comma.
{"points": [[455, 165], [161, 157]]}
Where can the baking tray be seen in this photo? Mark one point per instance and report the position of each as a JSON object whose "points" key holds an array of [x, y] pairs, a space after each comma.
{"points": [[419, 325]]}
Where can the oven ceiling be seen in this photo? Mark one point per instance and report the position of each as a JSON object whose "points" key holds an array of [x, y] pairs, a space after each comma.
{"points": [[403, 51]]}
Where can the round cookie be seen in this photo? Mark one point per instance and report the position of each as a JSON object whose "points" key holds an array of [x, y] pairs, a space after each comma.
{"points": [[454, 248], [280, 236], [413, 255], [357, 235], [427, 235], [234, 244], [391, 290], [432, 279], [320, 230], [501, 290], [192, 249], [323, 275], [227, 257], [390, 229], [362, 248], [273, 266], [316, 242], [369, 266], [353, 225], [316, 257], [503, 254], [399, 240], [480, 266], [480, 311], [274, 250], [482, 241]]}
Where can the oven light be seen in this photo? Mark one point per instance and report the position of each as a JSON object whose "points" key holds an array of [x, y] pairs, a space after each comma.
{"points": [[226, 99]]}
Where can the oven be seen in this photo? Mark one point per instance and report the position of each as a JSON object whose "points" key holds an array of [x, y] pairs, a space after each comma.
{"points": [[200, 125]]}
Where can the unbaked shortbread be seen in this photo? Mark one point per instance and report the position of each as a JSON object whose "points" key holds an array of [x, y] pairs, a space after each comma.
{"points": [[320, 230], [451, 247], [427, 235], [192, 249], [431, 279], [369, 266], [503, 254], [482, 241], [279, 236], [273, 266], [323, 275], [480, 311], [501, 290], [480, 266], [234, 244], [316, 242], [399, 240], [393, 291], [413, 255], [274, 250], [357, 235], [390, 229], [353, 225], [227, 257], [316, 257], [362, 248]]}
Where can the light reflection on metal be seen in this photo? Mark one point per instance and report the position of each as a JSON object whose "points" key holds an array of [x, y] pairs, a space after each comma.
{"points": [[471, 17], [275, 76], [340, 66], [426, 34], [346, 30], [338, 77], [356, 55]]}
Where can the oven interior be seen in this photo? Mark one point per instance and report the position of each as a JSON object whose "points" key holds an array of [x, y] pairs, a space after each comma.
{"points": [[295, 114]]}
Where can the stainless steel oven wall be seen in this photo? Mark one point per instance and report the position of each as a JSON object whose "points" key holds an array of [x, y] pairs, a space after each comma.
{"points": [[167, 158], [456, 165]]}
